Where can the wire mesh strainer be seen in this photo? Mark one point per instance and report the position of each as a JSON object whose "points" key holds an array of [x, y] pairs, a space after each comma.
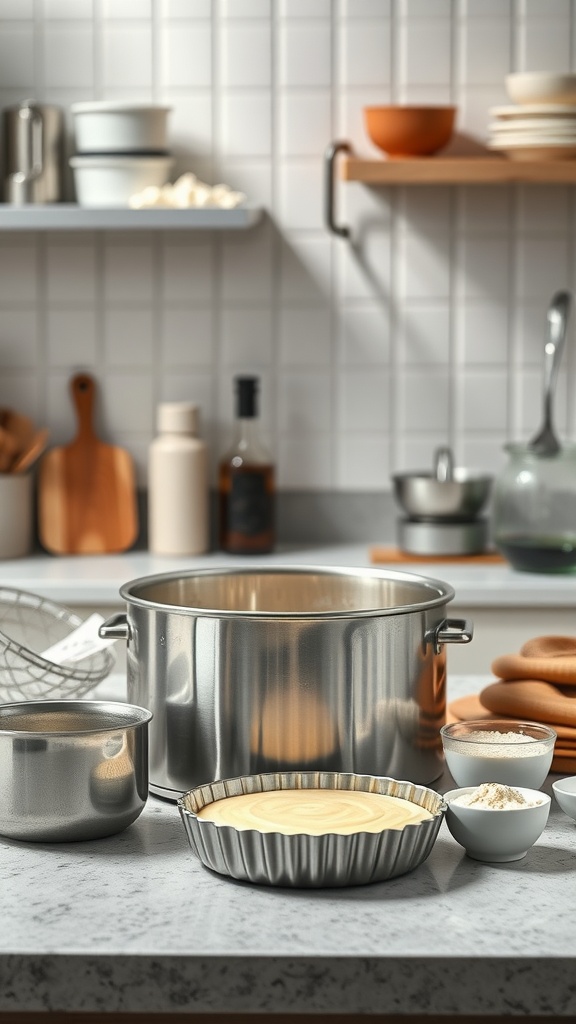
{"points": [[30, 624]]}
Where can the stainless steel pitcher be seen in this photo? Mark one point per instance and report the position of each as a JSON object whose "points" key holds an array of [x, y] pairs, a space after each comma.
{"points": [[33, 153]]}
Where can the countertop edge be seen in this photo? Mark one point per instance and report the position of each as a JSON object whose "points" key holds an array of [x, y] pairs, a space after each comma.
{"points": [[173, 984]]}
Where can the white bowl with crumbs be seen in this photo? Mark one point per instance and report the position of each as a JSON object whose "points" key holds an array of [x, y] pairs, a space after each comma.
{"points": [[498, 750], [565, 793], [494, 822]]}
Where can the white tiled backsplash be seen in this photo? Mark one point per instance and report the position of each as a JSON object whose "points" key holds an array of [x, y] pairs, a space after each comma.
{"points": [[426, 327]]}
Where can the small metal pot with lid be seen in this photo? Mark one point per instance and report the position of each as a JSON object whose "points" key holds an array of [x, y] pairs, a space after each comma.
{"points": [[281, 668], [442, 508]]}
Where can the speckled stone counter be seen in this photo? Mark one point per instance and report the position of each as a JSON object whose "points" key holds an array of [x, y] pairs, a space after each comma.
{"points": [[134, 923]]}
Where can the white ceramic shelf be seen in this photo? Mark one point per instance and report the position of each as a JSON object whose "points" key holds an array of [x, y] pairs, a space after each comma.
{"points": [[71, 217]]}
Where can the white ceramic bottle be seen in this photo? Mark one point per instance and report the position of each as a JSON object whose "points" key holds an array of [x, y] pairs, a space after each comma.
{"points": [[178, 488]]}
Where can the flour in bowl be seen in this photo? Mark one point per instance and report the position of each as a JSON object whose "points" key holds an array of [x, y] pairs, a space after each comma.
{"points": [[492, 736], [496, 797]]}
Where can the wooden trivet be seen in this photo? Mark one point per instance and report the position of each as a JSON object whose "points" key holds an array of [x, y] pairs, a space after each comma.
{"points": [[394, 555]]}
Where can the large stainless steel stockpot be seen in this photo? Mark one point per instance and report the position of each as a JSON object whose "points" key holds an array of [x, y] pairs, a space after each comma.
{"points": [[251, 670]]}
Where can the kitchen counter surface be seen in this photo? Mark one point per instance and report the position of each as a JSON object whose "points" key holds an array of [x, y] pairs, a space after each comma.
{"points": [[134, 923], [97, 579]]}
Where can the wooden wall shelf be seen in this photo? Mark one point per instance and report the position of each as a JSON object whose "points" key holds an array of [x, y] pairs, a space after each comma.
{"points": [[434, 170], [458, 171]]}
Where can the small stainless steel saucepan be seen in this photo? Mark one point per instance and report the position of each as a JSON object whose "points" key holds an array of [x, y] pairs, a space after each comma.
{"points": [[71, 769]]}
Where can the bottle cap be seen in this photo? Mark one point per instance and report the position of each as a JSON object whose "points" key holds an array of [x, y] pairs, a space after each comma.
{"points": [[246, 392], [177, 417]]}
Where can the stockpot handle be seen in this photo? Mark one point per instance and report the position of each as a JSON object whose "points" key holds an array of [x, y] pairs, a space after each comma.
{"points": [[450, 631], [115, 628]]}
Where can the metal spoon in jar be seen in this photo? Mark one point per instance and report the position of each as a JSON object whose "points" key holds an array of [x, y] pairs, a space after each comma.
{"points": [[444, 465], [545, 442]]}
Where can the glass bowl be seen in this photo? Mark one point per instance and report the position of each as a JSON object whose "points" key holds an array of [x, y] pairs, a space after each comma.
{"points": [[498, 750]]}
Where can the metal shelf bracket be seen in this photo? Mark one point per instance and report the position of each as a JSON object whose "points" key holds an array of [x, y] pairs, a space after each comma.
{"points": [[330, 155]]}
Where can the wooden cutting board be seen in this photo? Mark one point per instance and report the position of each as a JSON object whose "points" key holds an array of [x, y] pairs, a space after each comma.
{"points": [[86, 489]]}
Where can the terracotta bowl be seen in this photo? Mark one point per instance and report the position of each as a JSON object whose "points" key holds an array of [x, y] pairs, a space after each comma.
{"points": [[409, 131]]}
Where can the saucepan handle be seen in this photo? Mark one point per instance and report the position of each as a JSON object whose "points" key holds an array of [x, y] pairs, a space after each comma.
{"points": [[115, 628], [450, 631]]}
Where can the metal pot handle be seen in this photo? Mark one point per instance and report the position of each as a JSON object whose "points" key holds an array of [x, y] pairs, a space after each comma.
{"points": [[32, 141], [115, 628], [450, 631]]}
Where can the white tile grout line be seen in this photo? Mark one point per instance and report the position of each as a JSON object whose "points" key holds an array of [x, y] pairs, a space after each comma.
{"points": [[335, 244], [456, 370], [396, 195], [38, 48], [219, 379], [571, 354], [275, 238], [157, 246], [98, 48]]}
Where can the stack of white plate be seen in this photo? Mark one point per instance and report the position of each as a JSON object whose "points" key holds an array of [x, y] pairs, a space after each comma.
{"points": [[534, 131], [542, 123]]}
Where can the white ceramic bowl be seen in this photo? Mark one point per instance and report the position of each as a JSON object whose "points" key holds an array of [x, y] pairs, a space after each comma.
{"points": [[475, 753], [104, 127], [112, 180], [565, 793], [541, 87], [493, 835]]}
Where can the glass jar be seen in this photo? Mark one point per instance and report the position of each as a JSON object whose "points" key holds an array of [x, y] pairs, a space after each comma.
{"points": [[534, 510]]}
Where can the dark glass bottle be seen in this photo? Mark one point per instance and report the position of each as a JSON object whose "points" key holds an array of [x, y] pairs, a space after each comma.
{"points": [[246, 481]]}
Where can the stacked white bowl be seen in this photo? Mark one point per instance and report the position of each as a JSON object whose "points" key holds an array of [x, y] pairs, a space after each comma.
{"points": [[121, 148], [541, 123]]}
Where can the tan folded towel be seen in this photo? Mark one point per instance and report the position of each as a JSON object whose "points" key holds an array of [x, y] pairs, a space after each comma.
{"points": [[469, 708], [549, 658], [537, 685], [532, 699], [563, 764]]}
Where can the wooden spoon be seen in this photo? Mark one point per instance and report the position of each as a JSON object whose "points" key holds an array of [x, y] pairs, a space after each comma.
{"points": [[8, 450], [20, 427], [34, 450]]}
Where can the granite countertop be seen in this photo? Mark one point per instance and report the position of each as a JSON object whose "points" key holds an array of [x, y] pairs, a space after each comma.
{"points": [[134, 923], [96, 579]]}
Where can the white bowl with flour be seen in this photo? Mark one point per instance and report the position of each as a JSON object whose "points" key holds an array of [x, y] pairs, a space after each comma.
{"points": [[496, 823], [498, 750]]}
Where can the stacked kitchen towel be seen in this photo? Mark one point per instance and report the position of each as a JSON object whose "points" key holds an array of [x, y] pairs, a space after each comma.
{"points": [[536, 685]]}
